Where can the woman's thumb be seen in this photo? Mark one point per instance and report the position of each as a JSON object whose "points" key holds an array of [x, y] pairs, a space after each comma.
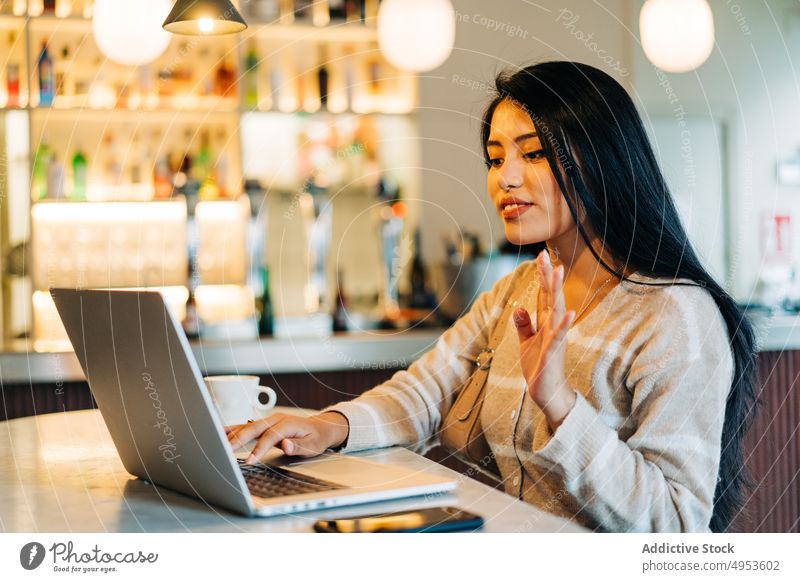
{"points": [[303, 446], [523, 322]]}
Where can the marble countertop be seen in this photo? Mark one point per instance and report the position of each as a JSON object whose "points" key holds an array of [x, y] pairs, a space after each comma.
{"points": [[60, 472]]}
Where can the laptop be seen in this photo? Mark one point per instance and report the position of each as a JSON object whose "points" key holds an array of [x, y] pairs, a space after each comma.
{"points": [[143, 375]]}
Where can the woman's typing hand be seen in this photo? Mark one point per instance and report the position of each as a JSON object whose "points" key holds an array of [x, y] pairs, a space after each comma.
{"points": [[295, 435], [543, 352]]}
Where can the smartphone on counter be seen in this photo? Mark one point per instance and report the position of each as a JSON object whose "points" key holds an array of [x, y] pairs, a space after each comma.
{"points": [[435, 519]]}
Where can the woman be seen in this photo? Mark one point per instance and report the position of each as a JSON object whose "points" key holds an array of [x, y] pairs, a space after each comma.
{"points": [[626, 410]]}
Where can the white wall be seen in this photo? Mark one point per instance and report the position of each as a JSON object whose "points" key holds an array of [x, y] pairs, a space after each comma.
{"points": [[749, 85]]}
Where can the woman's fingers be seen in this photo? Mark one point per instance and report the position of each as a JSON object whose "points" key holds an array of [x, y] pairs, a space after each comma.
{"points": [[308, 446], [544, 287], [559, 305], [242, 434], [565, 324], [554, 304], [547, 273], [522, 320], [558, 334], [546, 293], [286, 428]]}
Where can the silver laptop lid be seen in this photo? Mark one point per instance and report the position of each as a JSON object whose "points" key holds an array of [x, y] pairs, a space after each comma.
{"points": [[141, 372]]}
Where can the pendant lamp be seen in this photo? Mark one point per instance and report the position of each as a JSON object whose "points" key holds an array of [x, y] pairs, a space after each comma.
{"points": [[204, 17]]}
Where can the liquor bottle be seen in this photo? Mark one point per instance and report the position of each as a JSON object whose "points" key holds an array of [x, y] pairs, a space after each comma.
{"points": [[202, 171], [79, 174], [209, 189], [49, 7], [322, 78], [349, 78], [182, 73], [301, 86], [265, 88], [286, 11], [202, 161], [41, 162], [277, 82], [374, 67], [136, 160], [143, 94], [12, 84], [46, 77], [206, 82], [12, 74], [266, 326], [353, 10], [251, 78], [320, 13], [165, 83], [113, 162], [183, 179], [162, 178], [420, 296], [64, 8], [63, 82], [340, 309], [55, 178], [222, 166], [303, 9], [192, 325], [224, 81], [266, 10], [370, 12], [337, 9]]}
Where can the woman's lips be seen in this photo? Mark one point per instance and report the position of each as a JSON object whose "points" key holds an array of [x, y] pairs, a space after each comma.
{"points": [[515, 210]]}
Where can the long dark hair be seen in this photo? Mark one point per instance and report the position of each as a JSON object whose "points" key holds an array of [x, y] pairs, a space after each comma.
{"points": [[601, 157]]}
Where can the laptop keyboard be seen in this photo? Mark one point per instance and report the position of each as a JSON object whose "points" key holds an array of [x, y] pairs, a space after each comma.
{"points": [[269, 481]]}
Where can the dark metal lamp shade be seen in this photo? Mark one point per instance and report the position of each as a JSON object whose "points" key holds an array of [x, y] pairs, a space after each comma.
{"points": [[204, 17]]}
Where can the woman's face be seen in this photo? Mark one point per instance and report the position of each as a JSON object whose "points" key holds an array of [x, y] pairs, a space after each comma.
{"points": [[521, 184]]}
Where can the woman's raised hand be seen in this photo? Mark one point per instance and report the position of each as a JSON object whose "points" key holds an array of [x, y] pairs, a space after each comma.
{"points": [[543, 352]]}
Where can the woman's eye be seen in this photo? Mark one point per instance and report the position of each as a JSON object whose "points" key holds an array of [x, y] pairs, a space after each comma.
{"points": [[535, 155], [495, 162]]}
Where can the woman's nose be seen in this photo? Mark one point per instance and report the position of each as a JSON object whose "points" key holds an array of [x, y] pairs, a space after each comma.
{"points": [[510, 176]]}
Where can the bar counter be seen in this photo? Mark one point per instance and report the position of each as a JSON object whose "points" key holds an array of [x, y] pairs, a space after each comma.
{"points": [[373, 350]]}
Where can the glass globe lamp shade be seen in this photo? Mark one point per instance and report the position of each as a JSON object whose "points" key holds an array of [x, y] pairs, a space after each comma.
{"points": [[677, 35], [129, 32], [416, 35]]}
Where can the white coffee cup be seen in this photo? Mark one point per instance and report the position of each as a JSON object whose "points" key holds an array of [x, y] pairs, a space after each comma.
{"points": [[237, 398]]}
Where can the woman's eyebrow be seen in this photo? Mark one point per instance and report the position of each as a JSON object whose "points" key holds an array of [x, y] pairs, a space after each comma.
{"points": [[525, 136], [518, 139]]}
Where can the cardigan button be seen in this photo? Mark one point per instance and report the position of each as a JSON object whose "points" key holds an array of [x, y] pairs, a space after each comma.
{"points": [[516, 481]]}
